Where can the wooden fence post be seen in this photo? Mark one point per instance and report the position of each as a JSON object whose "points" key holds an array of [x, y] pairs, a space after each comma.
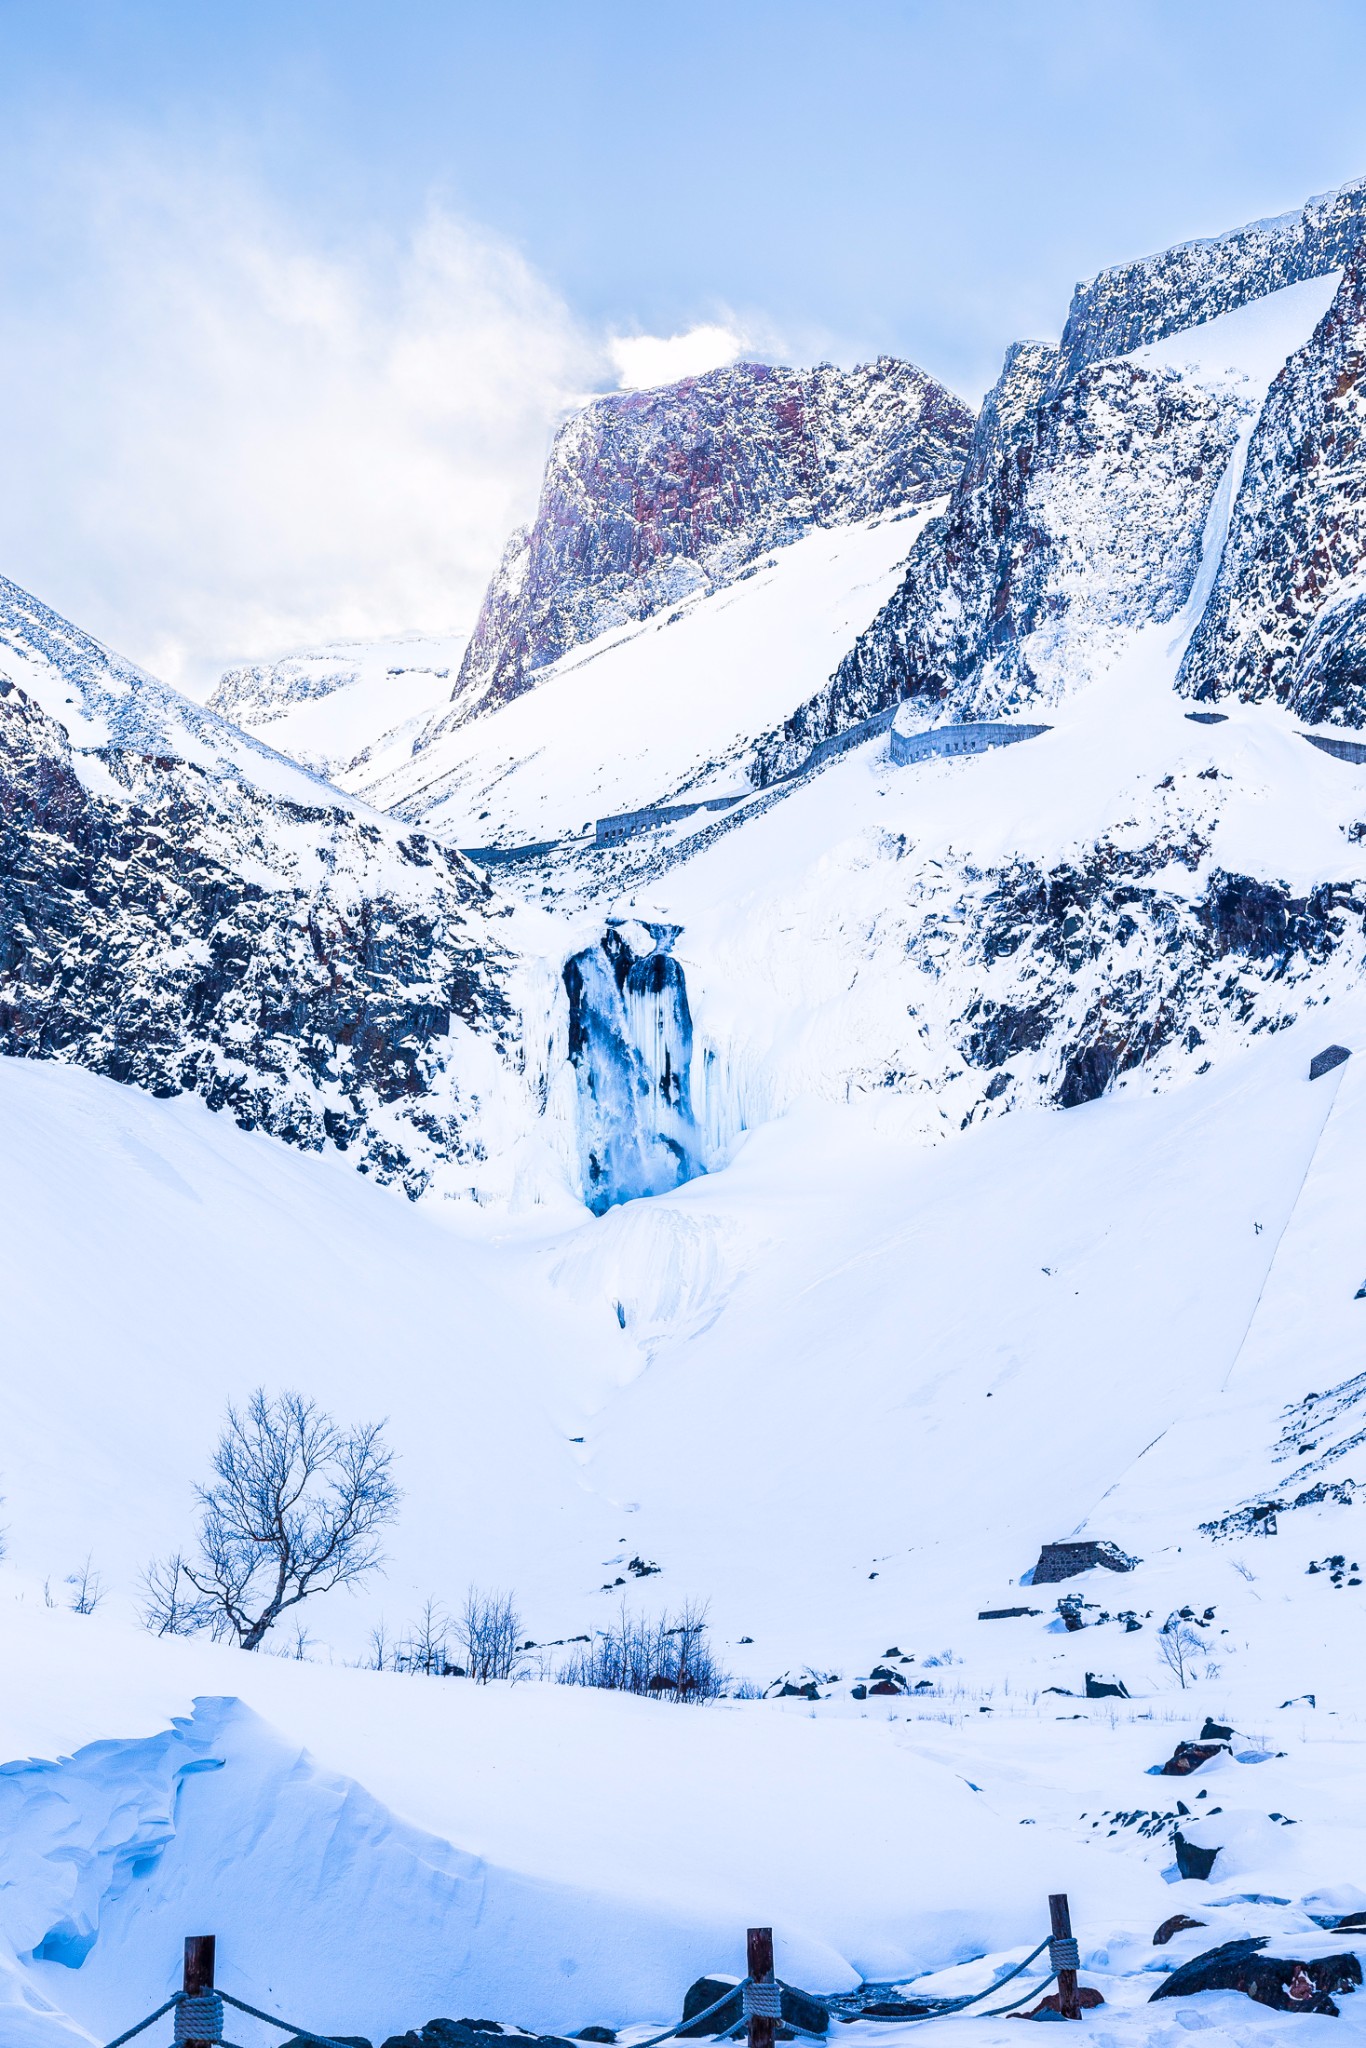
{"points": [[199, 1959], [1061, 1917], [759, 1966]]}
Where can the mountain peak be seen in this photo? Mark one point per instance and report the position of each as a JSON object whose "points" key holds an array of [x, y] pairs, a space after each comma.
{"points": [[653, 497]]}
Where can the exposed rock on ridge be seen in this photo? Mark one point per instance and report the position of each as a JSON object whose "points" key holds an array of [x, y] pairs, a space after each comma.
{"points": [[1287, 615], [1003, 564], [168, 922], [1135, 303], [1079, 515], [651, 497]]}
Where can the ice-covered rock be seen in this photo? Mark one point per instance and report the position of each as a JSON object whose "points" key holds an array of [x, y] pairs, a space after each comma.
{"points": [[630, 1043]]}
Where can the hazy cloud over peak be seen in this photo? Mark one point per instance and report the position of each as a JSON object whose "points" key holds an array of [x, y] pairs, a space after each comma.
{"points": [[226, 438]]}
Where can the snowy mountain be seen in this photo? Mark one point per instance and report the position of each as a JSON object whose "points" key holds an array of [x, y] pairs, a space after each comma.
{"points": [[933, 1152], [653, 499], [347, 710], [1080, 515], [184, 909]]}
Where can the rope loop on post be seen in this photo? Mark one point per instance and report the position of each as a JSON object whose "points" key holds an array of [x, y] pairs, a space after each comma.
{"points": [[761, 2001], [199, 2016], [1062, 1953]]}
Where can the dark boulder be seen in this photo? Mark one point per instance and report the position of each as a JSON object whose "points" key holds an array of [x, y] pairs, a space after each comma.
{"points": [[596, 2034], [798, 2010], [1065, 1560], [1188, 1757], [1104, 1688], [1177, 1924], [1284, 1983], [704, 1992], [1191, 1859]]}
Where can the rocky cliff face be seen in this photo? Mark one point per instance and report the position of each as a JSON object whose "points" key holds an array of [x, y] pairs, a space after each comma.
{"points": [[1080, 508], [1079, 515], [653, 497], [1287, 615], [1096, 967], [185, 912], [1135, 303]]}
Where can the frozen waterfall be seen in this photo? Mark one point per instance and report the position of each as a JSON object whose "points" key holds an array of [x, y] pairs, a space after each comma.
{"points": [[630, 1042]]}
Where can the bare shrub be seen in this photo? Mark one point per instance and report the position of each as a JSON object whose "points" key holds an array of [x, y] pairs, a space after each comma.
{"points": [[87, 1588], [487, 1630], [293, 1511], [665, 1659], [380, 1655]]}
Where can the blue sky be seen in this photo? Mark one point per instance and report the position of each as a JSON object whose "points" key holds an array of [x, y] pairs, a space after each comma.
{"points": [[823, 180]]}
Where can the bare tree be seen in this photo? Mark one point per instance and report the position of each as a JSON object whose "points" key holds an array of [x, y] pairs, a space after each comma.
{"points": [[1178, 1644], [293, 1511], [87, 1588], [381, 1654], [488, 1627], [424, 1647]]}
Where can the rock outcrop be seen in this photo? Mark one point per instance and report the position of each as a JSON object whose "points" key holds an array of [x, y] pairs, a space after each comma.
{"points": [[170, 921], [1287, 615], [1080, 509], [653, 497], [1080, 514], [1135, 303]]}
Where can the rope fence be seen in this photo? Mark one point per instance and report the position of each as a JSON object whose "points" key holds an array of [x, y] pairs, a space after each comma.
{"points": [[199, 2007]]}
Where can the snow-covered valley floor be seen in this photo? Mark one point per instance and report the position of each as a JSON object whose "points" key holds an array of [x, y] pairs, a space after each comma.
{"points": [[1013, 1319]]}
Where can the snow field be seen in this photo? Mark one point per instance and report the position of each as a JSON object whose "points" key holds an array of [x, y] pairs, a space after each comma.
{"points": [[668, 706], [369, 701]]}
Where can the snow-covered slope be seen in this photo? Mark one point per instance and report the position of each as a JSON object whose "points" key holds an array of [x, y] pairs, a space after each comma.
{"points": [[1012, 1320], [346, 711], [668, 707]]}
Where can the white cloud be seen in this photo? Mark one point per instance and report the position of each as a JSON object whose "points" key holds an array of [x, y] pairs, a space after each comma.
{"points": [[224, 440], [643, 360]]}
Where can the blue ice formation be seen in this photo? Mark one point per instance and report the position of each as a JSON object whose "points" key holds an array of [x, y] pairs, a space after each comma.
{"points": [[630, 1042]]}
